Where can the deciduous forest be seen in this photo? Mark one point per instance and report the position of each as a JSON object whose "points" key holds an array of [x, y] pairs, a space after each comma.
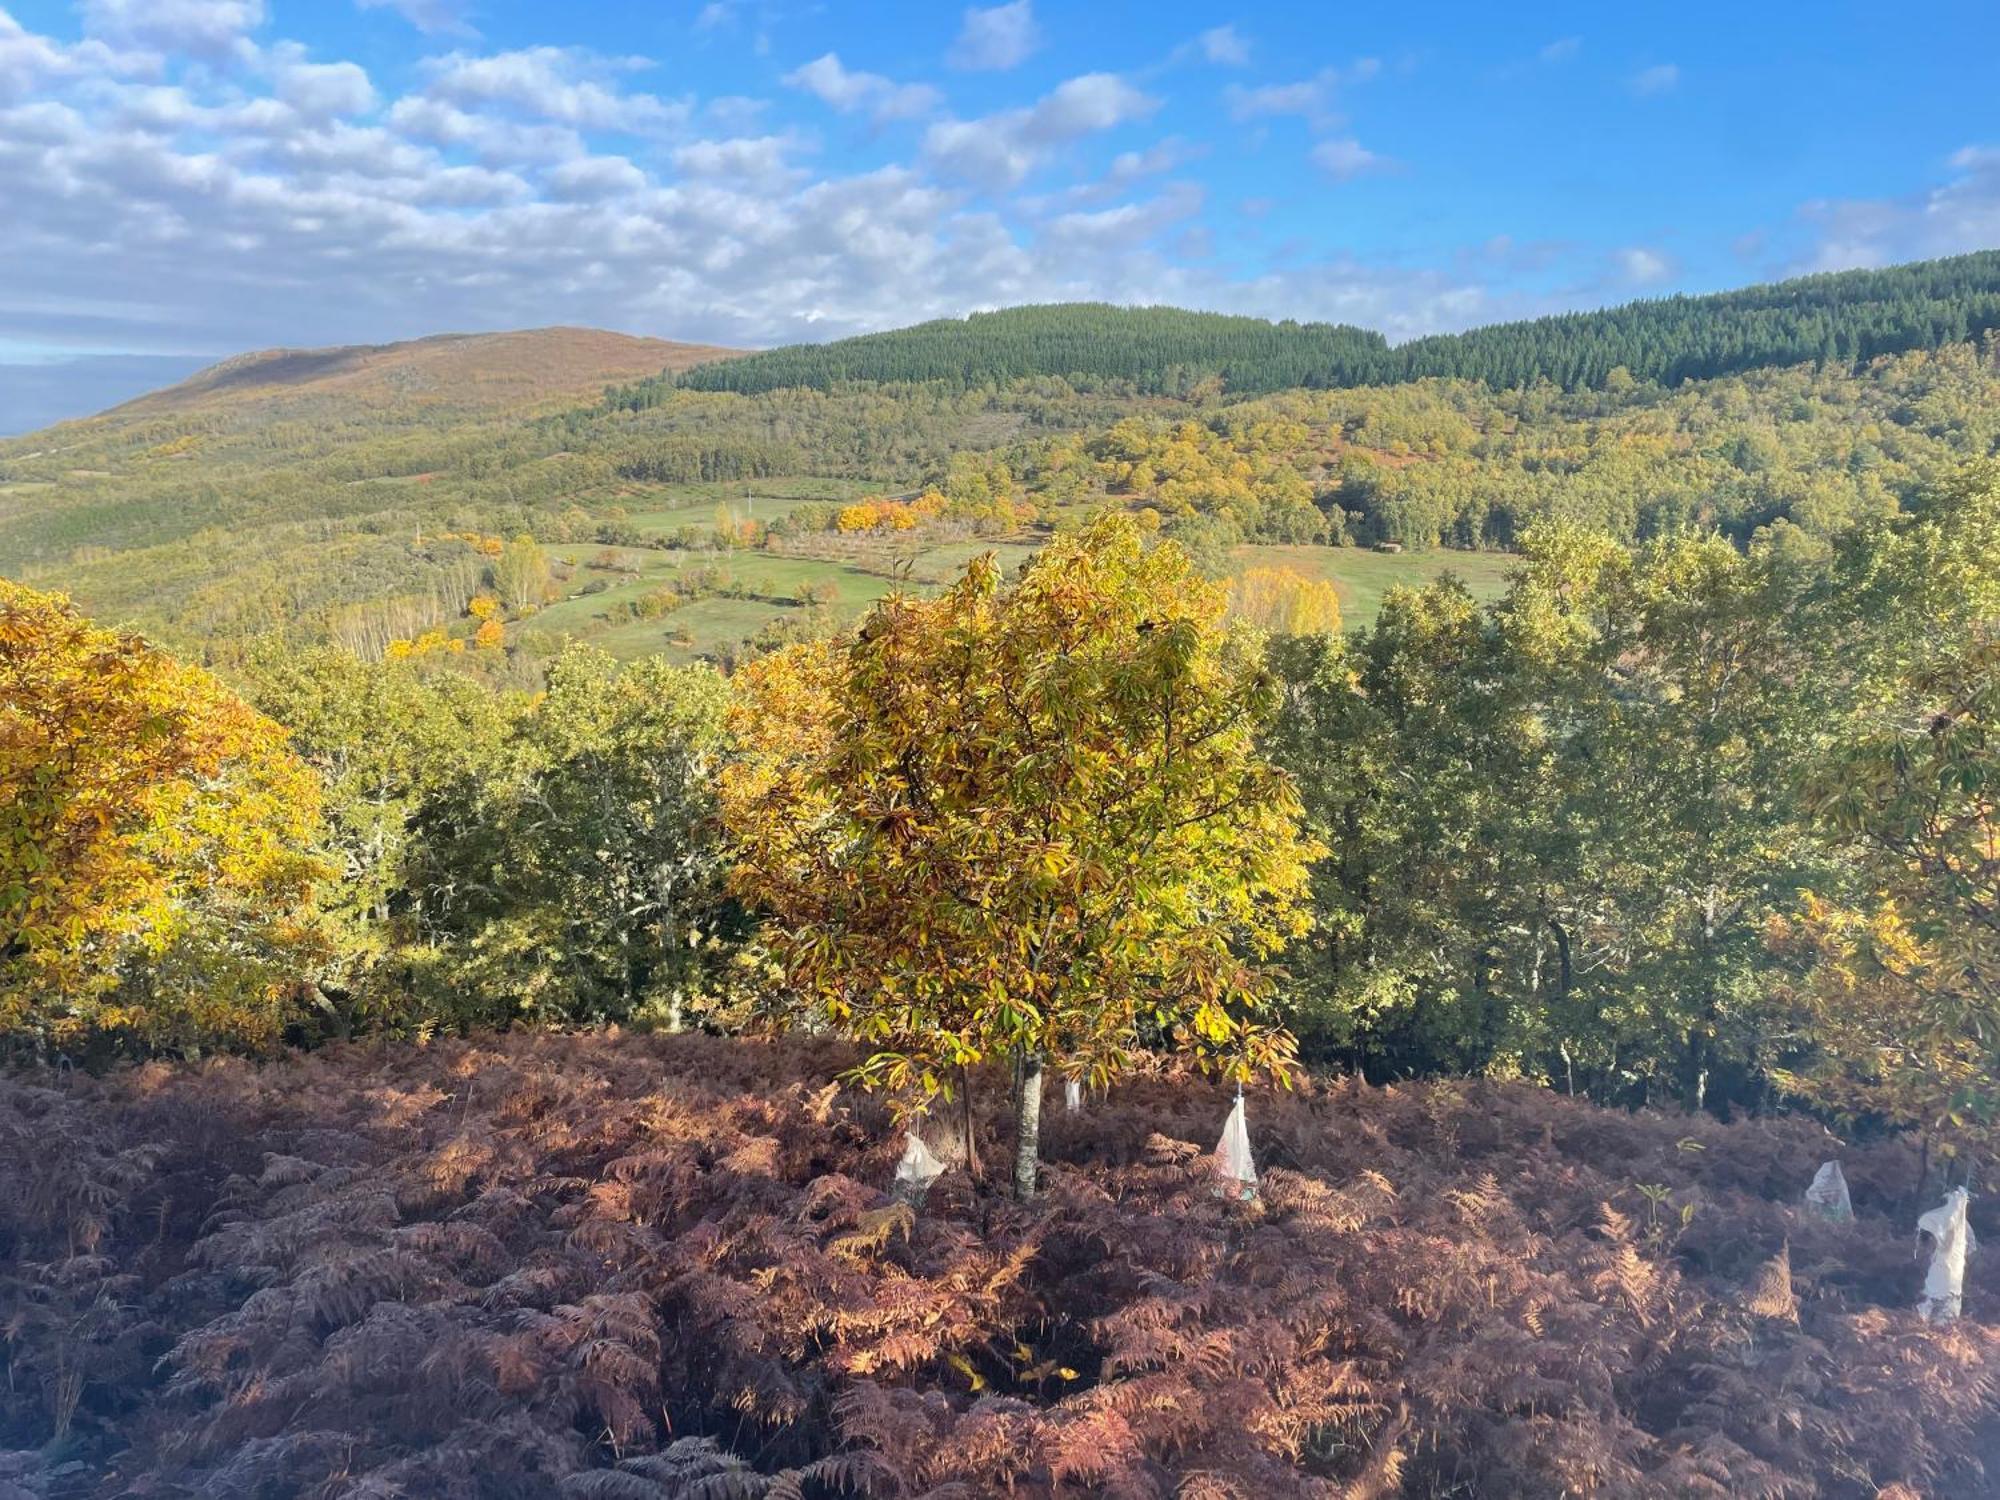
{"points": [[696, 938]]}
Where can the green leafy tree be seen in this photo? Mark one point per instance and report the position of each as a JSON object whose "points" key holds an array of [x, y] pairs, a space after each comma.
{"points": [[405, 752], [613, 856]]}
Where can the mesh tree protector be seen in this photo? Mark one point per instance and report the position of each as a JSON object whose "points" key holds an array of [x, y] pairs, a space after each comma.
{"points": [[1952, 1238], [1233, 1162], [916, 1171], [1827, 1197]]}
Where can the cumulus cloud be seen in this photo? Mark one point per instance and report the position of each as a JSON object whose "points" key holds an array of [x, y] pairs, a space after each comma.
{"points": [[1130, 168], [1128, 225], [589, 179], [563, 84], [850, 91], [321, 90], [1000, 150], [205, 28], [492, 139], [746, 159], [255, 195], [996, 38], [1662, 78], [432, 17], [1225, 46], [1346, 158], [1958, 215], [1642, 266], [1311, 99]]}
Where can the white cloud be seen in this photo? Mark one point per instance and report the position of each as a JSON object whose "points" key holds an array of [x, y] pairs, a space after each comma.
{"points": [[1128, 225], [44, 124], [563, 84], [1346, 158], [179, 205], [997, 38], [1095, 101], [1310, 99], [204, 28], [432, 17], [849, 91], [26, 59], [491, 138], [751, 159], [1562, 50], [1640, 266], [321, 90], [1959, 215], [1225, 46], [1001, 149], [977, 151], [1662, 78], [1128, 168], [589, 179]]}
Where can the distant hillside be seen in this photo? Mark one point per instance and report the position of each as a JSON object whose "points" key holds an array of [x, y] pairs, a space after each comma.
{"points": [[1839, 318], [1163, 349], [460, 371]]}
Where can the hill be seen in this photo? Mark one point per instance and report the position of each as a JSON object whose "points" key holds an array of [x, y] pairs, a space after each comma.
{"points": [[1160, 349], [665, 1267], [351, 493], [518, 371], [1840, 318]]}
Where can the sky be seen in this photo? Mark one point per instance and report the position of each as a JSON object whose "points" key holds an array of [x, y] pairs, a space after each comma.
{"points": [[181, 180]]}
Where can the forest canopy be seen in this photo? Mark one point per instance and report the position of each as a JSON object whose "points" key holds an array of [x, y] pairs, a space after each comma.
{"points": [[1842, 317]]}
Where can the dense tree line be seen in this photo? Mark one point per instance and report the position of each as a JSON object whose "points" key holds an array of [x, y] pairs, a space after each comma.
{"points": [[1158, 350], [1837, 318], [1675, 821]]}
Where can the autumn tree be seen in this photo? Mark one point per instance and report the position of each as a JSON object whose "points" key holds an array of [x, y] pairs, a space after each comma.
{"points": [[1027, 823], [1898, 987], [521, 575], [155, 832], [1285, 601]]}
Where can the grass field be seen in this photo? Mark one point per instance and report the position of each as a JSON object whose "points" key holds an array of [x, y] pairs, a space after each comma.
{"points": [[1360, 577], [761, 499]]}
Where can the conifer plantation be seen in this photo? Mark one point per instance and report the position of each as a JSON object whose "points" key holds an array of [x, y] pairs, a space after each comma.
{"points": [[694, 937]]}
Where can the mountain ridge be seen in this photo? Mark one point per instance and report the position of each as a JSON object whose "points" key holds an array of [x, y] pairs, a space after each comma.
{"points": [[514, 367]]}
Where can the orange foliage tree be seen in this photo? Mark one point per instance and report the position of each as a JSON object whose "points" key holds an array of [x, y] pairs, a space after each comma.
{"points": [[154, 879], [1028, 824]]}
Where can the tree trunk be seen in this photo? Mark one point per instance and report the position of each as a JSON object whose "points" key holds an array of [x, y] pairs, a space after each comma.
{"points": [[1028, 1126], [973, 1168]]}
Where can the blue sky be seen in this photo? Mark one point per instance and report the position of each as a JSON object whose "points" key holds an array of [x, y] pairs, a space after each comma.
{"points": [[183, 179]]}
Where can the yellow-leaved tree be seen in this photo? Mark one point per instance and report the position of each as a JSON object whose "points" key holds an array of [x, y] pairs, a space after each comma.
{"points": [[1025, 823], [155, 837], [1285, 601]]}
